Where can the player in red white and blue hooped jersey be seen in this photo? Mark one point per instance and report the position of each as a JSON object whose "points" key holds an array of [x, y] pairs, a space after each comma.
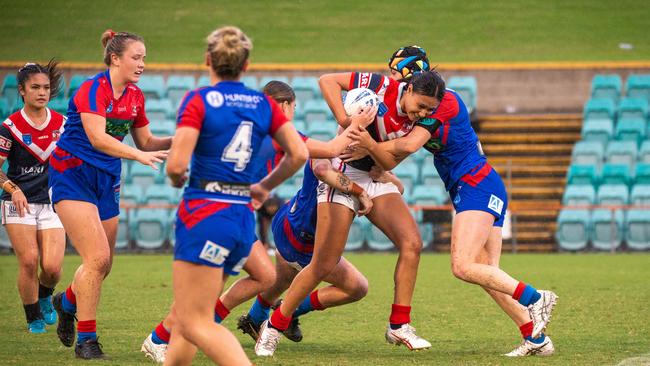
{"points": [[480, 200], [84, 178], [220, 129]]}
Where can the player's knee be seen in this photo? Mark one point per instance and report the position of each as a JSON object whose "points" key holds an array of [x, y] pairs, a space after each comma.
{"points": [[266, 279], [100, 264], [360, 290], [323, 268], [459, 270], [52, 271], [29, 264], [410, 246]]}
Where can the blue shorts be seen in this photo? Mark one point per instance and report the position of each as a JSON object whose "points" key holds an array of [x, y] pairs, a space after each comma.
{"points": [[71, 178], [481, 189], [215, 234], [289, 247]]}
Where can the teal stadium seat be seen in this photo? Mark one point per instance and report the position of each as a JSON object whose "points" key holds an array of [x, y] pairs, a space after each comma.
{"points": [[579, 194], [377, 240], [615, 173], [5, 243], [251, 82], [152, 86], [131, 194], [18, 105], [300, 126], [408, 174], [323, 130], [640, 195], [621, 152], [429, 175], [266, 79], [178, 86], [603, 233], [613, 194], [159, 110], [637, 222], [305, 87], [599, 130], [122, 240], [161, 194], [428, 196], [75, 82], [144, 176], [633, 108], [582, 174], [642, 173], [62, 90], [297, 178], [10, 89], [316, 110], [630, 129], [59, 105], [644, 152], [150, 228], [638, 86], [598, 109], [171, 221], [5, 109], [163, 127], [573, 229], [203, 81], [606, 86], [587, 153], [466, 87], [286, 191], [357, 234]]}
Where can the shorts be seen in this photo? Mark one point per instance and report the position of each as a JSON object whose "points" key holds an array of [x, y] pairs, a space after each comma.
{"points": [[41, 215], [71, 178], [296, 253], [360, 177], [215, 234], [481, 189]]}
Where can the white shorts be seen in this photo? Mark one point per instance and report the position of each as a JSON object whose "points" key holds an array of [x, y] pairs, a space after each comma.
{"points": [[360, 177], [40, 215]]}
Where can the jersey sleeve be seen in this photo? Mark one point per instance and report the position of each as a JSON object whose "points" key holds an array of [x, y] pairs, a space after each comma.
{"points": [[368, 80], [447, 109], [429, 124], [192, 111], [277, 116], [6, 140], [141, 119], [92, 98]]}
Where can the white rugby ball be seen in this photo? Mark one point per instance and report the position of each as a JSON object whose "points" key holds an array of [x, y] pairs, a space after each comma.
{"points": [[357, 100]]}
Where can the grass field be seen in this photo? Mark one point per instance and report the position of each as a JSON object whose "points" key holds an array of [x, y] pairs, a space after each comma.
{"points": [[336, 31], [602, 317]]}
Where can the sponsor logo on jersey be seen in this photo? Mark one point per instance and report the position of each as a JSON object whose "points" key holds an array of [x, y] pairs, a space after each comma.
{"points": [[56, 134], [109, 109], [214, 253], [364, 79], [5, 143], [495, 204], [134, 111], [434, 145], [382, 109], [214, 98], [27, 138], [121, 109], [12, 209], [32, 170]]}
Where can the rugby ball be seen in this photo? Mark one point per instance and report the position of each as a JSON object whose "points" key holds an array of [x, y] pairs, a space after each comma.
{"points": [[357, 100]]}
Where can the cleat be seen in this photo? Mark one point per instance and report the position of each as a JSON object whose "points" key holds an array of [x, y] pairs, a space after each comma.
{"points": [[268, 340], [293, 333], [248, 326], [528, 348], [156, 352], [37, 326], [65, 329], [406, 335], [540, 312], [49, 314], [90, 349]]}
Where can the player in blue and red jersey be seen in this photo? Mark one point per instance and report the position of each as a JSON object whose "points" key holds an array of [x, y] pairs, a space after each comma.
{"points": [[85, 178], [27, 139], [479, 197], [220, 128]]}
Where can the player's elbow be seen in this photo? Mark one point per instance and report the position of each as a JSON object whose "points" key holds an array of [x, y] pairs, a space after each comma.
{"points": [[320, 170], [300, 155], [410, 147], [174, 168]]}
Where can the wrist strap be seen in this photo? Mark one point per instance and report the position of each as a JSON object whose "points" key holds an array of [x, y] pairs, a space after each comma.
{"points": [[356, 189], [10, 187]]}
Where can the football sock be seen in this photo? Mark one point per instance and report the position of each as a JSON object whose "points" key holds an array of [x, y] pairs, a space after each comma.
{"points": [[32, 312], [259, 311], [220, 312], [86, 329], [526, 294], [69, 301], [310, 303], [279, 321], [44, 292], [160, 335], [400, 315]]}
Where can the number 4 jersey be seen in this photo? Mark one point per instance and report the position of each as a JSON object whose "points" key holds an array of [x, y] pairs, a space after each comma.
{"points": [[233, 121]]}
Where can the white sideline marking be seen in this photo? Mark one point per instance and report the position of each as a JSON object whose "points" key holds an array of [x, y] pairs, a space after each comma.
{"points": [[643, 360]]}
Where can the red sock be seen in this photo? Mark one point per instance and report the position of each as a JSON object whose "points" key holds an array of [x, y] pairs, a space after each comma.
{"points": [[519, 290], [87, 326], [315, 303], [400, 314], [279, 321], [70, 295], [162, 333], [221, 310], [263, 302], [526, 329]]}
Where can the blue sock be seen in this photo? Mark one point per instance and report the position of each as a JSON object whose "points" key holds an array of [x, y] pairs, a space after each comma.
{"points": [[258, 312], [217, 318], [304, 307], [537, 340], [529, 296], [83, 336], [68, 307], [156, 339]]}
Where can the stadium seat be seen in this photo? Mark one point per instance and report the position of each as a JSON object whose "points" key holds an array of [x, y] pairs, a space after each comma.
{"points": [[420, 155], [582, 174], [579, 194], [5, 109], [18, 105], [321, 130], [357, 235], [10, 89], [630, 129], [621, 152], [163, 127], [153, 86], [638, 86], [613, 194], [203, 81], [305, 87], [587, 153], [607, 229], [251, 82], [642, 173], [300, 126], [297, 178], [606, 86], [5, 243], [573, 229], [150, 228], [131, 194], [615, 173], [144, 176], [429, 175], [178, 86], [62, 90], [171, 221], [599, 109], [466, 87], [644, 152], [161, 194], [377, 240], [600, 130], [316, 110], [122, 240], [633, 108], [159, 110], [428, 195], [637, 223], [426, 233], [640, 195], [286, 191], [265, 80], [59, 105], [408, 174]]}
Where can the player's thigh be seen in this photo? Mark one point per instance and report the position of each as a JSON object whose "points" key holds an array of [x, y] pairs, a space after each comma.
{"points": [[259, 265], [469, 235], [52, 247], [493, 246], [345, 275], [332, 229], [81, 222], [23, 240]]}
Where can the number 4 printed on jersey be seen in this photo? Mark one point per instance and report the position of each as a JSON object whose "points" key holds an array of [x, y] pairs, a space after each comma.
{"points": [[239, 149]]}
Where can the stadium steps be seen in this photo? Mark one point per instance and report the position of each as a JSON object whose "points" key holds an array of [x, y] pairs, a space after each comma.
{"points": [[531, 137]]}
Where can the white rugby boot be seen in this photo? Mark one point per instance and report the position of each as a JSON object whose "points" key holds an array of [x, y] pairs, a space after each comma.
{"points": [[540, 312], [268, 340], [156, 352], [406, 335], [528, 348]]}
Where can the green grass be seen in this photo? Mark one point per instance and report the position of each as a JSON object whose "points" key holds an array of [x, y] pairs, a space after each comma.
{"points": [[602, 317], [336, 31]]}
